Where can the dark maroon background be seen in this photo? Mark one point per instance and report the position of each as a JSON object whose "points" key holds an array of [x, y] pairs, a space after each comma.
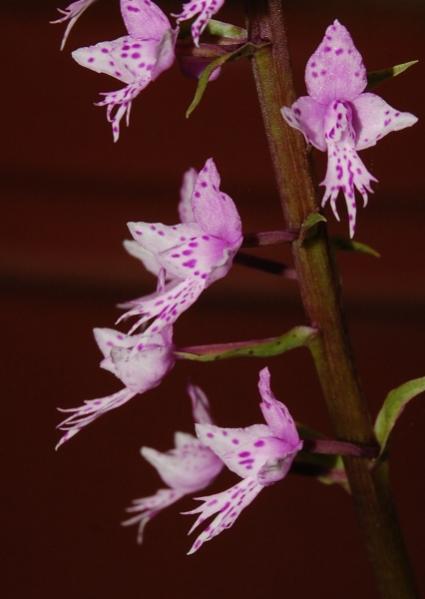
{"points": [[68, 192]]}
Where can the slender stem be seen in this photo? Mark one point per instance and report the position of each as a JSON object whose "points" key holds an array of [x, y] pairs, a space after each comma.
{"points": [[342, 448], [319, 286]]}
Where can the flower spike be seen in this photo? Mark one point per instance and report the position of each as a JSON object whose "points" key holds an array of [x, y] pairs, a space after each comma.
{"points": [[139, 361], [205, 9], [337, 117], [188, 468], [260, 455], [193, 254], [136, 59]]}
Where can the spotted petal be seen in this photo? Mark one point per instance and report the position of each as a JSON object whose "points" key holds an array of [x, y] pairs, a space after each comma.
{"points": [[345, 171], [71, 14], [335, 71], [227, 505], [374, 119], [200, 405], [244, 450], [158, 238], [90, 411], [144, 19], [205, 9], [186, 192], [307, 116], [215, 211], [276, 414], [148, 259], [148, 507], [189, 468]]}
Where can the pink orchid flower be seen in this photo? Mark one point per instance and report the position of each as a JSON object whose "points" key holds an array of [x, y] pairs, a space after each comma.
{"points": [[187, 468], [189, 256], [136, 59], [139, 361], [71, 14], [261, 455], [339, 118], [205, 9]]}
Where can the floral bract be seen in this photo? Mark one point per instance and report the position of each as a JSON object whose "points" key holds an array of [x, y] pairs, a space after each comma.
{"points": [[139, 361], [136, 59], [261, 455], [339, 118], [190, 255], [205, 9], [187, 468]]}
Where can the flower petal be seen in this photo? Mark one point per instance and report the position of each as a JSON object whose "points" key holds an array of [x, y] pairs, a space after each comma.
{"points": [[148, 259], [186, 192], [374, 118], [148, 507], [214, 211], [205, 8], [243, 450], [227, 505], [335, 71], [189, 468], [158, 238], [345, 171], [307, 116], [72, 13], [276, 414], [183, 439], [200, 405], [90, 411], [144, 19]]}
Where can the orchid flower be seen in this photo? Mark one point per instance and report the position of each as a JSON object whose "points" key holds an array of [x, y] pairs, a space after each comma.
{"points": [[187, 468], [260, 455], [205, 9], [72, 13], [139, 361], [190, 255], [339, 118], [136, 59]]}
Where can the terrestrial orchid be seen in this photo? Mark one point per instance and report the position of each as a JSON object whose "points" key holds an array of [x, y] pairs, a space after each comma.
{"points": [[136, 59], [72, 13], [205, 9], [139, 361], [261, 455], [187, 468], [190, 255], [339, 118]]}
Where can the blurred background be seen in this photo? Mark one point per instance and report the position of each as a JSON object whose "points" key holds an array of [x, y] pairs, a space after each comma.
{"points": [[68, 192]]}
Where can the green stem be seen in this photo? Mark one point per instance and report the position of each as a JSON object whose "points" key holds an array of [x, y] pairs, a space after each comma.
{"points": [[319, 285]]}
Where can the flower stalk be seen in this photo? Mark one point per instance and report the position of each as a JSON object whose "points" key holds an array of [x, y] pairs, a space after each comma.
{"points": [[320, 292]]}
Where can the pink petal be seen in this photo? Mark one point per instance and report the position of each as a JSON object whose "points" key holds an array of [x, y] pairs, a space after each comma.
{"points": [[186, 192], [125, 58], [335, 71], [188, 468], [227, 505], [214, 211], [200, 405], [307, 116], [205, 8], [90, 411], [243, 450], [374, 119], [276, 414], [345, 171], [183, 439], [72, 13], [157, 238], [148, 507], [148, 259], [144, 19]]}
